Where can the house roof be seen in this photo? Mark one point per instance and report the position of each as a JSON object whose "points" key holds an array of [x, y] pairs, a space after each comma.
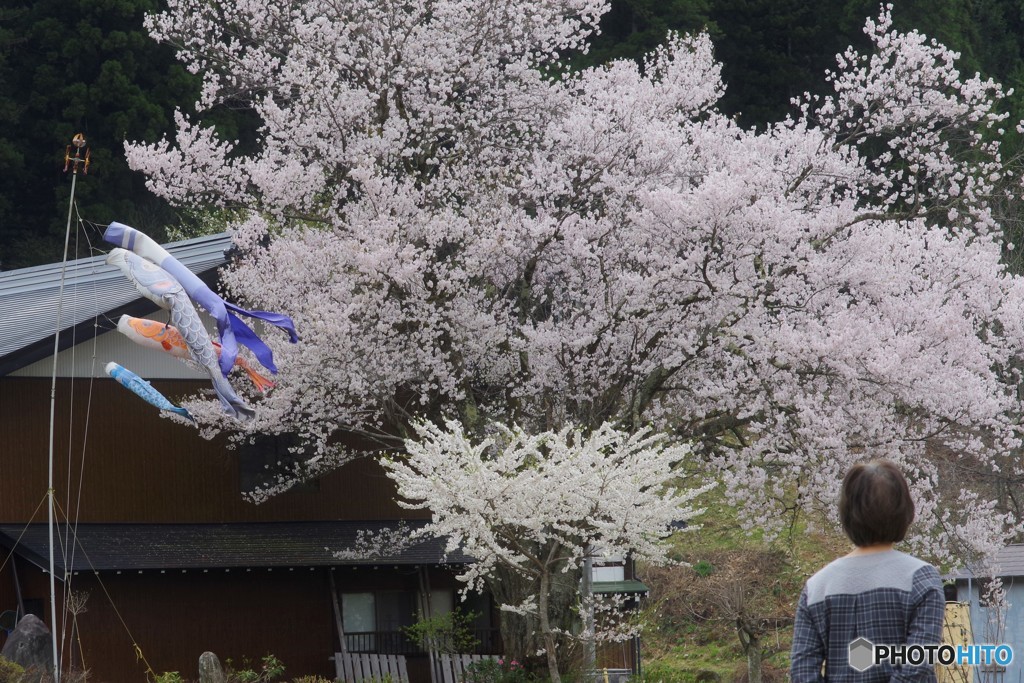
{"points": [[1009, 561], [117, 547], [629, 586], [92, 290]]}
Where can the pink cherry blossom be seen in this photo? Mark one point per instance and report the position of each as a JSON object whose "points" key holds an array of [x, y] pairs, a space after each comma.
{"points": [[458, 233]]}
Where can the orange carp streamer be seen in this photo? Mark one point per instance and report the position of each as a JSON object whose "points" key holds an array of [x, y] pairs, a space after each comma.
{"points": [[156, 335]]}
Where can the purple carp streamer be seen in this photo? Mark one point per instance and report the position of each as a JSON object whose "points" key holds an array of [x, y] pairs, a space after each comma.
{"points": [[160, 287], [231, 328]]}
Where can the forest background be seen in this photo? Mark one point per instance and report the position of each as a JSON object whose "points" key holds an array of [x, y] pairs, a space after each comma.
{"points": [[69, 66]]}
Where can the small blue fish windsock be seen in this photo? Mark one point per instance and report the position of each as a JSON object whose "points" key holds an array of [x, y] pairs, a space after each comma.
{"points": [[232, 329], [143, 389]]}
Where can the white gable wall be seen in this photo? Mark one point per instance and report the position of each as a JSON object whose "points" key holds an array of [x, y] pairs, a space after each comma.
{"points": [[77, 361]]}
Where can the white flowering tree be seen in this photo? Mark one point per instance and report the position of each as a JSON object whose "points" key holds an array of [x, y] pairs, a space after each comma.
{"points": [[534, 505], [462, 230]]}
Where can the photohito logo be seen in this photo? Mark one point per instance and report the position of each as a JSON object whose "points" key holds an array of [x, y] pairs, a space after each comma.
{"points": [[863, 654]]}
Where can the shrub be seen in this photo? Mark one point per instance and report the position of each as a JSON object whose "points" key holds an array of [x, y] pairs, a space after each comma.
{"points": [[451, 632], [168, 677], [496, 671], [10, 672], [270, 668]]}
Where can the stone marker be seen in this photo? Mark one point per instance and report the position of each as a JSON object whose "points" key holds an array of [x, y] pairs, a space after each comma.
{"points": [[31, 646], [210, 670]]}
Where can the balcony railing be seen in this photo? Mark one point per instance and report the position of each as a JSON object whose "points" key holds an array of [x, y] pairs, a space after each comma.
{"points": [[397, 643], [381, 642]]}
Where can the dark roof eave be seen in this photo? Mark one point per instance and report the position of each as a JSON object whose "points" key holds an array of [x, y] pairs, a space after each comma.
{"points": [[243, 545]]}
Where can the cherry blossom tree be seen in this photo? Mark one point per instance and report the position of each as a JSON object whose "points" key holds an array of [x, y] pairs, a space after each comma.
{"points": [[537, 505], [462, 230]]}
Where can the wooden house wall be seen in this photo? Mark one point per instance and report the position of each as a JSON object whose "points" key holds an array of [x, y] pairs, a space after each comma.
{"points": [[138, 467], [173, 620], [8, 595], [174, 617]]}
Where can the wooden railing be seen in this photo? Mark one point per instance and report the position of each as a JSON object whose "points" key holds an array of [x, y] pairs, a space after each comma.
{"points": [[397, 643], [488, 642], [452, 668], [353, 667]]}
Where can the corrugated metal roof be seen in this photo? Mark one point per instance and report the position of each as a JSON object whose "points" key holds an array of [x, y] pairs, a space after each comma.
{"points": [[109, 547], [1009, 560], [92, 289]]}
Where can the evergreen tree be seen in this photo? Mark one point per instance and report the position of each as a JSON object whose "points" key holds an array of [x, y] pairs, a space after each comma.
{"points": [[772, 51], [632, 28], [88, 66]]}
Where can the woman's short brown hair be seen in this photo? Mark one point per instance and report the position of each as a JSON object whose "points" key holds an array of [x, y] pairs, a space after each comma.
{"points": [[875, 505]]}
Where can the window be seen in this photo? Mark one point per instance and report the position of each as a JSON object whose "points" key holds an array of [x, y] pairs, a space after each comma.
{"points": [[373, 621], [608, 568], [484, 629], [442, 601], [609, 573], [359, 619], [394, 610], [358, 612]]}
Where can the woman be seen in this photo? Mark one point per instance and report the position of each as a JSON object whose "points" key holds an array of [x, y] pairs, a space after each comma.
{"points": [[875, 592]]}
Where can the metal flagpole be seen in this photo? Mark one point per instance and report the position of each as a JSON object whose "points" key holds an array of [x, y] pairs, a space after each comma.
{"points": [[73, 162]]}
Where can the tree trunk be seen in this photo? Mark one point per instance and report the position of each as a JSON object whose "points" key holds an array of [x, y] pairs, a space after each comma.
{"points": [[545, 626], [753, 651], [521, 634], [751, 643], [518, 631]]}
